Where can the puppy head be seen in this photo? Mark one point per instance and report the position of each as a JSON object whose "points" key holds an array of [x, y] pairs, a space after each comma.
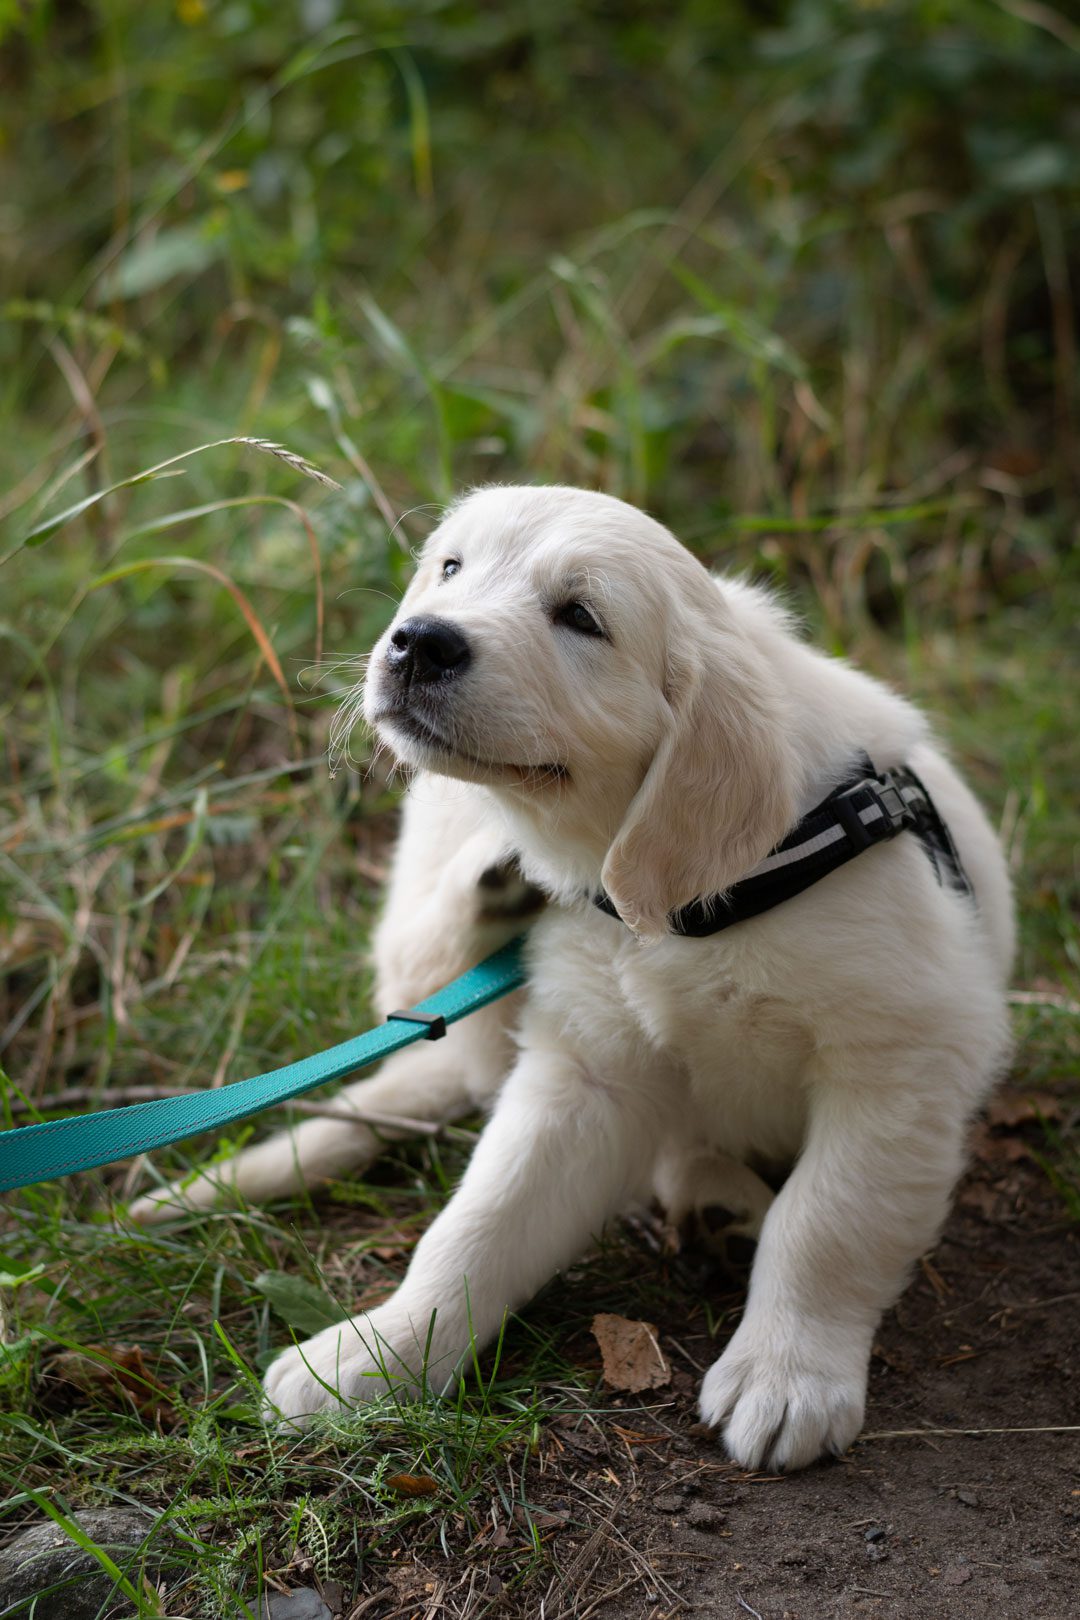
{"points": [[564, 650]]}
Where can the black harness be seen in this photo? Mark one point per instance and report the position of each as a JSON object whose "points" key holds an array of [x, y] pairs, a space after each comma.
{"points": [[869, 807]]}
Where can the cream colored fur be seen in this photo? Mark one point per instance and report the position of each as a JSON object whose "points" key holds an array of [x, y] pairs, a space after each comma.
{"points": [[851, 1031]]}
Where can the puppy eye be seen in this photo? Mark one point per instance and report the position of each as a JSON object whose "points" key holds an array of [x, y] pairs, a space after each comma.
{"points": [[450, 567], [576, 616]]}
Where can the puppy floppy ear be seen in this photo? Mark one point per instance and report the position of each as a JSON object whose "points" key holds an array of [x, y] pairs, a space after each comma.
{"points": [[720, 792]]}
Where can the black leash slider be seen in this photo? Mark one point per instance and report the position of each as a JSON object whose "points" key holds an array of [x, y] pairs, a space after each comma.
{"points": [[436, 1023]]}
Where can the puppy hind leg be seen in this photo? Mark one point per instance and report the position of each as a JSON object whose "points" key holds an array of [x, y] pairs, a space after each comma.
{"points": [[716, 1201], [429, 1083], [884, 1145]]}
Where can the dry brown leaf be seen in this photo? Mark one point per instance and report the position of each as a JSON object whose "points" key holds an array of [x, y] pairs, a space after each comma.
{"points": [[998, 1150], [110, 1370], [412, 1484], [1012, 1108], [542, 1518], [633, 1359]]}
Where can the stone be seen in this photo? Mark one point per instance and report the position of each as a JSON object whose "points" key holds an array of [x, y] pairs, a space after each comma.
{"points": [[43, 1557], [301, 1604]]}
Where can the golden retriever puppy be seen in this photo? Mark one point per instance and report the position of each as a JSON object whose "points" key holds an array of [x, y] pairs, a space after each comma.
{"points": [[645, 736]]}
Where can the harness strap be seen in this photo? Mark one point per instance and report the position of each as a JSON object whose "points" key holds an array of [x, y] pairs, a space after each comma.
{"points": [[61, 1146], [868, 807]]}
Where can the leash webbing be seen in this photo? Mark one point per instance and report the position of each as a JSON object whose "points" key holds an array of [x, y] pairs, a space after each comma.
{"points": [[60, 1147]]}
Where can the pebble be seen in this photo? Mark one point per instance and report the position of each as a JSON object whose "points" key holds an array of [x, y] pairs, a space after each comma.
{"points": [[43, 1557], [301, 1604], [702, 1516]]}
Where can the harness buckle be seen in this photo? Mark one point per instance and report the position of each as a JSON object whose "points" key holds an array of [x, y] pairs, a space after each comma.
{"points": [[895, 817]]}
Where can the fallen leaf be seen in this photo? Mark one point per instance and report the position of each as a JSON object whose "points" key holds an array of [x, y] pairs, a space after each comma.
{"points": [[1012, 1108], [633, 1359], [413, 1484], [993, 1149], [541, 1518], [108, 1370], [494, 1536], [333, 1595]]}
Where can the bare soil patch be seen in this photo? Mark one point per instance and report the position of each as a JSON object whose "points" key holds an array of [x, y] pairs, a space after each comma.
{"points": [[641, 1515]]}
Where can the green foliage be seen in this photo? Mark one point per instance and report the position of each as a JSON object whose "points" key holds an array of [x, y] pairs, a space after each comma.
{"points": [[500, 211]]}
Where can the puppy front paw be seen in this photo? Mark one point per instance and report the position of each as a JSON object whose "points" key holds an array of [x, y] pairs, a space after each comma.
{"points": [[785, 1396], [356, 1360], [505, 896]]}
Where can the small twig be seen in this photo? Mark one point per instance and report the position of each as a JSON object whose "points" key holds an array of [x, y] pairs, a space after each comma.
{"points": [[918, 1434], [611, 1592], [685, 1354], [395, 1122], [1044, 998], [369, 1602], [744, 1605], [217, 1079], [1038, 1304]]}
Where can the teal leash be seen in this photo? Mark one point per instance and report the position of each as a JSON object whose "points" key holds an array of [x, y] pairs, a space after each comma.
{"points": [[60, 1147]]}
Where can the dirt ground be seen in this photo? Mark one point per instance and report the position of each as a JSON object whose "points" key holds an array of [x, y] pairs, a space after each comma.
{"points": [[646, 1519], [640, 1517]]}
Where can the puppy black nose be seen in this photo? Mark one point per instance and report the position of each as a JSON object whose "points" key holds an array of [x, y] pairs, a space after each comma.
{"points": [[425, 649]]}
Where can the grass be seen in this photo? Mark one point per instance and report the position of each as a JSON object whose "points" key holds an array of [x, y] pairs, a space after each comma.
{"points": [[751, 277], [144, 1388]]}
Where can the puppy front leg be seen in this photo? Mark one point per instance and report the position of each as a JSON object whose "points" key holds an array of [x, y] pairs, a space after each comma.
{"points": [[560, 1155], [868, 1196]]}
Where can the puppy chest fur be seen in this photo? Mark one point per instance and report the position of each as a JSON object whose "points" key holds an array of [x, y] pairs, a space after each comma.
{"points": [[721, 1059]]}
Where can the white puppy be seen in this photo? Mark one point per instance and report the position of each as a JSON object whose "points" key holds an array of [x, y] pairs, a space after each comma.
{"points": [[624, 722]]}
